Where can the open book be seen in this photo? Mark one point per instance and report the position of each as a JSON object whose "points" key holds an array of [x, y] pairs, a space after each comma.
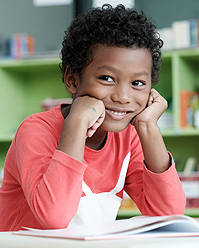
{"points": [[135, 227]]}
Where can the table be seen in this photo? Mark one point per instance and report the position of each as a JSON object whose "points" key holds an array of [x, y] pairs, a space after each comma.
{"points": [[8, 240]]}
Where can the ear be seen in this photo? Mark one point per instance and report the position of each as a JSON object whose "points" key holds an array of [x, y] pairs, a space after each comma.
{"points": [[70, 80]]}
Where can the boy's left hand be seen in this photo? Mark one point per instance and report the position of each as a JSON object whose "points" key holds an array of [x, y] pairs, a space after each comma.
{"points": [[155, 108]]}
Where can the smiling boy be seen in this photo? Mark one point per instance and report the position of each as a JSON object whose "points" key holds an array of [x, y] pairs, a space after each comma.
{"points": [[70, 165]]}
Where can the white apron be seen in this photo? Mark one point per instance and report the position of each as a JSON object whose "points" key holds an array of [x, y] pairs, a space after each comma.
{"points": [[102, 206]]}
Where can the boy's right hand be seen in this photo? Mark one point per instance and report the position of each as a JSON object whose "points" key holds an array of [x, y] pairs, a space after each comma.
{"points": [[89, 111], [85, 116]]}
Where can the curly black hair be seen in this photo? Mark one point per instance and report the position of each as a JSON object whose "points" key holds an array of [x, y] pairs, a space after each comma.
{"points": [[119, 26]]}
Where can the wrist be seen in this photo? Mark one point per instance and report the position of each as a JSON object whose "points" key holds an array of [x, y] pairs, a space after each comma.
{"points": [[143, 127], [73, 138]]}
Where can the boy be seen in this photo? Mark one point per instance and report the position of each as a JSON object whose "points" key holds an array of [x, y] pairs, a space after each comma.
{"points": [[70, 165]]}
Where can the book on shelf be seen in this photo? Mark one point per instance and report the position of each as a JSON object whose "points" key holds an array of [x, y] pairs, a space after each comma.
{"points": [[190, 184], [127, 203], [188, 106], [190, 166], [21, 45], [182, 34], [135, 227], [166, 120]]}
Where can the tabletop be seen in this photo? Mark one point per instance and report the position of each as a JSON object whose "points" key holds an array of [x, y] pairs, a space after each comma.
{"points": [[9, 240]]}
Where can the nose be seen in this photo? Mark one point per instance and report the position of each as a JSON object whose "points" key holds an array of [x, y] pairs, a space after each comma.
{"points": [[121, 94]]}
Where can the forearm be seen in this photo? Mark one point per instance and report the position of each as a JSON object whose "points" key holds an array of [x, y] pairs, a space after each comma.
{"points": [[155, 153], [51, 180], [72, 139], [156, 194], [55, 199]]}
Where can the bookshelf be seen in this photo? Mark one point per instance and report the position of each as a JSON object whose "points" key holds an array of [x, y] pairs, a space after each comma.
{"points": [[179, 72], [25, 83]]}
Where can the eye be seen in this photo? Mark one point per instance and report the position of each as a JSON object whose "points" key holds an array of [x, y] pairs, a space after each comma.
{"points": [[106, 78], [138, 83]]}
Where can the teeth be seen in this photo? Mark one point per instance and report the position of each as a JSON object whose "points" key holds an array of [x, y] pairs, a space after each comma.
{"points": [[117, 113]]}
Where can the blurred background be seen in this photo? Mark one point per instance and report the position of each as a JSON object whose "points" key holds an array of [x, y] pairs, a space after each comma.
{"points": [[46, 20]]}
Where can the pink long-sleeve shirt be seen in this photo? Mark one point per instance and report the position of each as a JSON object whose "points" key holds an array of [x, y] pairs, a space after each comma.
{"points": [[45, 188]]}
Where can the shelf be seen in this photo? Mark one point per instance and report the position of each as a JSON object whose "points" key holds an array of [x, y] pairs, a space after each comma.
{"points": [[24, 84], [180, 132], [6, 138], [128, 213], [193, 212]]}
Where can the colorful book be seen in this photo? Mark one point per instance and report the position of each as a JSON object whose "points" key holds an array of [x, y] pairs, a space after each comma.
{"points": [[21, 45], [187, 107]]}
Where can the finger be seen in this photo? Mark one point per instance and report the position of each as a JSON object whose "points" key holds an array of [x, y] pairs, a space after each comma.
{"points": [[150, 100], [93, 129], [95, 125], [154, 94]]}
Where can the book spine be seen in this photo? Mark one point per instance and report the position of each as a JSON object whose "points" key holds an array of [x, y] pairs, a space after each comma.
{"points": [[188, 105], [193, 33], [184, 103], [181, 34], [21, 45]]}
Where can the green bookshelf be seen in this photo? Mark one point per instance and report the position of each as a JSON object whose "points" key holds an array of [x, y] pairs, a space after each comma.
{"points": [[179, 72], [24, 84]]}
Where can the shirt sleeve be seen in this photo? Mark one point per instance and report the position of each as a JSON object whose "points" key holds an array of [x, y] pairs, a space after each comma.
{"points": [[154, 194], [51, 180]]}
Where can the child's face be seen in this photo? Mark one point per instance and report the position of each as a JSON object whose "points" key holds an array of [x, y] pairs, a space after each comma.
{"points": [[121, 78]]}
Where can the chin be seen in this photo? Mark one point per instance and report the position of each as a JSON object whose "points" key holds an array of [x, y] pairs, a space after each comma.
{"points": [[114, 128]]}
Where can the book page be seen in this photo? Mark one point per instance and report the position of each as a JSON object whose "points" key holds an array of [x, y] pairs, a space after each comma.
{"points": [[158, 225]]}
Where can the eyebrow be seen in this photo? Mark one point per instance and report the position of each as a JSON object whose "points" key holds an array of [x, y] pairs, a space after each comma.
{"points": [[142, 73], [109, 68], [106, 67]]}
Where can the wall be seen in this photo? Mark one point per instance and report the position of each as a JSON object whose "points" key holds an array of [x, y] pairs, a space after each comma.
{"points": [[164, 12], [46, 24]]}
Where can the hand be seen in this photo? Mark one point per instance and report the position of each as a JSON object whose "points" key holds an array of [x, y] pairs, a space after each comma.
{"points": [[155, 153], [90, 111], [155, 108]]}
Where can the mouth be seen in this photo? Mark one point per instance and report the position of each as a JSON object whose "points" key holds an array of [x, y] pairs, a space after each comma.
{"points": [[117, 114]]}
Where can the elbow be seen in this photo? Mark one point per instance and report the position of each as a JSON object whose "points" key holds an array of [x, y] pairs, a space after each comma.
{"points": [[180, 205], [160, 208], [56, 220], [177, 206], [54, 217]]}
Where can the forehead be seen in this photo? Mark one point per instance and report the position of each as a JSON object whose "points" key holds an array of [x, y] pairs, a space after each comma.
{"points": [[121, 58]]}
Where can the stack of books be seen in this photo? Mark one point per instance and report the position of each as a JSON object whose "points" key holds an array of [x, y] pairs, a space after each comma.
{"points": [[181, 34], [21, 46]]}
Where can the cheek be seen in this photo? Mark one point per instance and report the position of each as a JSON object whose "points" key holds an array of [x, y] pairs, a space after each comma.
{"points": [[142, 99]]}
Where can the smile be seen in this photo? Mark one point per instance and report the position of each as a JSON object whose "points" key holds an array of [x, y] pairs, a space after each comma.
{"points": [[116, 114]]}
